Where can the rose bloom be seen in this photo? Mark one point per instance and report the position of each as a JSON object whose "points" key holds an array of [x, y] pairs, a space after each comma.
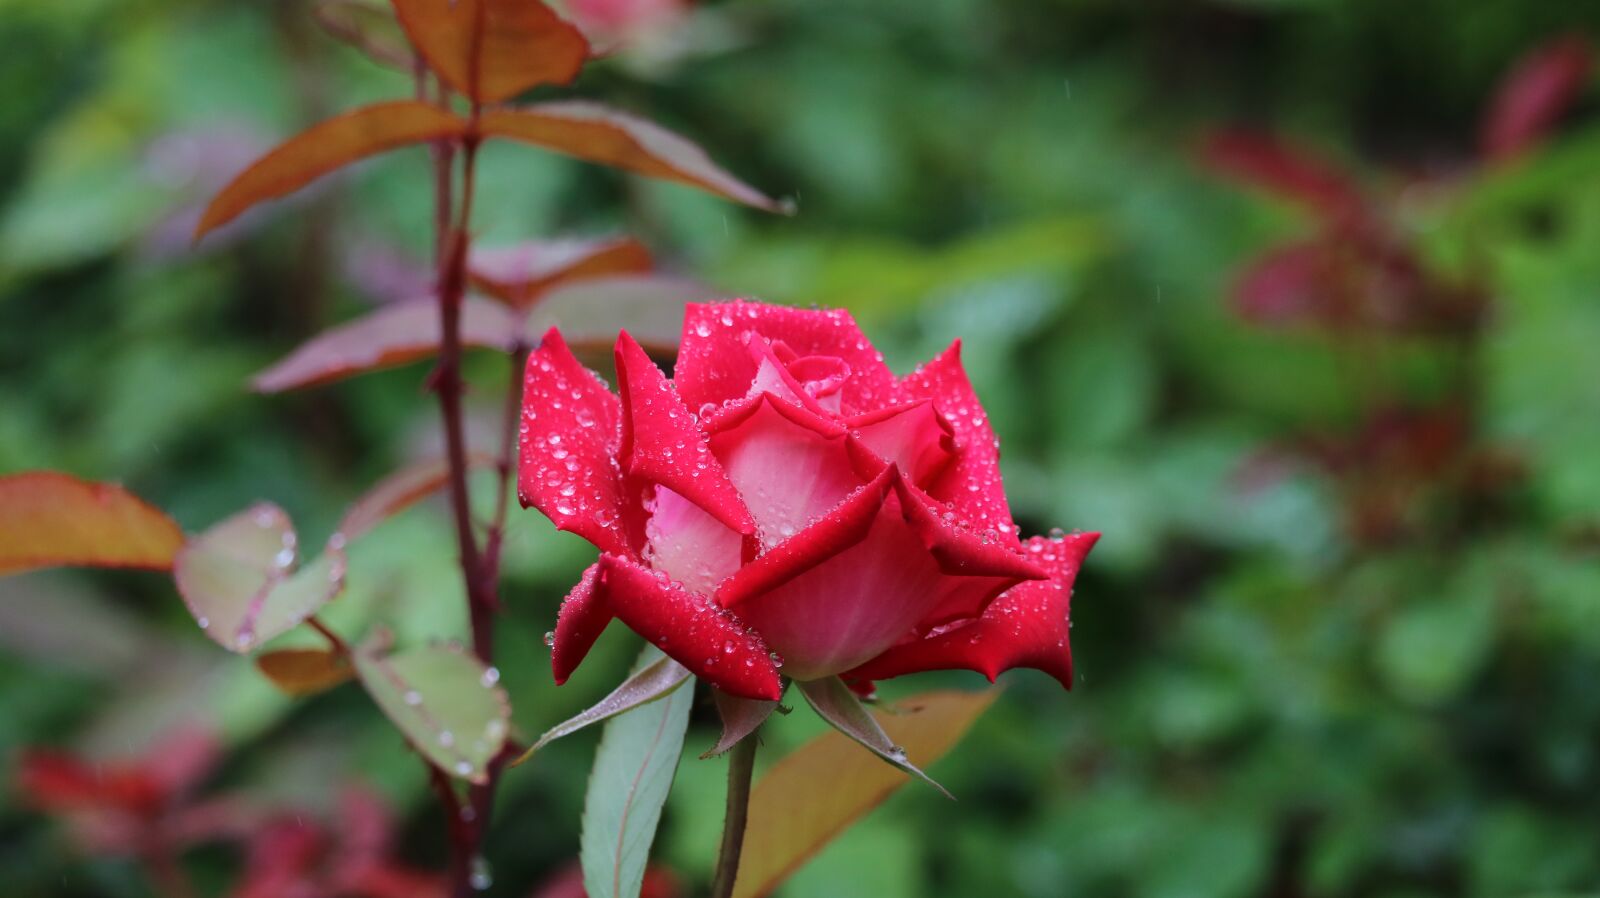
{"points": [[786, 503]]}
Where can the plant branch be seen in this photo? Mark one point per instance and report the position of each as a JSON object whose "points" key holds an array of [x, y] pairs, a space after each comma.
{"points": [[741, 764], [495, 541]]}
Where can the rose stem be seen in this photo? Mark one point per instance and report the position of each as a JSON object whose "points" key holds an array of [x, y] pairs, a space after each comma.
{"points": [[741, 764]]}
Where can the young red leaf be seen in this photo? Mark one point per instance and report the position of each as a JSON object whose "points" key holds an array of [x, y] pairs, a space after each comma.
{"points": [[391, 336], [792, 816], [239, 581], [326, 147], [369, 26], [304, 671], [1539, 88], [519, 275], [49, 519], [599, 134], [492, 50], [1267, 162], [591, 312]]}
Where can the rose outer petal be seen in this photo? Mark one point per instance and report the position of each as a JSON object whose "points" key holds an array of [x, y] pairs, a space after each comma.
{"points": [[1027, 626], [582, 618], [971, 484], [570, 427], [861, 578], [714, 366], [661, 443], [707, 639]]}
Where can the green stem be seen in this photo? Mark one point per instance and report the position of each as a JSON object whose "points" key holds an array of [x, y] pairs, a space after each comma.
{"points": [[741, 764]]}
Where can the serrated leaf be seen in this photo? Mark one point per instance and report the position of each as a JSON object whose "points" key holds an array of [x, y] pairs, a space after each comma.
{"points": [[444, 701], [652, 683], [740, 718], [391, 336], [834, 702], [304, 671], [591, 312], [605, 136], [519, 275], [326, 147], [239, 579], [632, 775], [791, 818], [49, 519], [492, 50]]}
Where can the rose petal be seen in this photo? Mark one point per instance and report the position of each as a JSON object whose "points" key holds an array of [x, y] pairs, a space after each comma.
{"points": [[570, 430], [661, 443], [582, 618], [913, 436], [790, 466], [859, 580], [971, 483], [689, 545], [1027, 626], [694, 631], [714, 368]]}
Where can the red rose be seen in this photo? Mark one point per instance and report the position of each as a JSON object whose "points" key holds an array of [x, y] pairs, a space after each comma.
{"points": [[788, 502]]}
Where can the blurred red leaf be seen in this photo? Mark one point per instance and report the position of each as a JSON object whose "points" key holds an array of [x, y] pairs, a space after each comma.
{"points": [[518, 275], [1287, 285], [492, 50], [658, 883], [1533, 95], [399, 491], [326, 147], [369, 26], [391, 336], [1267, 162], [599, 134], [59, 783], [49, 519]]}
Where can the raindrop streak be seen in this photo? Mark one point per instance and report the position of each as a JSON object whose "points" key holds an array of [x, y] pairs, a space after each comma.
{"points": [[480, 878]]}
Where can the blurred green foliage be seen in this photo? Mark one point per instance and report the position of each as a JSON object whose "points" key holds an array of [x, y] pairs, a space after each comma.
{"points": [[1266, 707]]}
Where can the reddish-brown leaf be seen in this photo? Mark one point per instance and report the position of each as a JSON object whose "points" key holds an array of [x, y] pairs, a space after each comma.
{"points": [[326, 147], [791, 818], [1539, 88], [391, 336], [397, 492], [49, 519], [492, 50], [591, 312], [369, 26], [606, 136], [304, 671], [1267, 162], [518, 275]]}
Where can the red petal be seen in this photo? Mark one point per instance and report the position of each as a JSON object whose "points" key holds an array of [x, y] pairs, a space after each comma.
{"points": [[912, 436], [714, 367], [970, 485], [1028, 626], [790, 466], [661, 443], [570, 430], [695, 632], [863, 577], [583, 617]]}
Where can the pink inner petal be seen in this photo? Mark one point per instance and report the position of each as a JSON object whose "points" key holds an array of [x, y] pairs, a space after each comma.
{"points": [[789, 468], [689, 545]]}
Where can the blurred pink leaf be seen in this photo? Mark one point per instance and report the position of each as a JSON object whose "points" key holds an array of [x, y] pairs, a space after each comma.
{"points": [[1266, 162], [1533, 95], [518, 275]]}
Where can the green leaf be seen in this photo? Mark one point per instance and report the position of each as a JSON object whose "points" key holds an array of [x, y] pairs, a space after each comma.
{"points": [[655, 681], [444, 701], [239, 580], [834, 702], [631, 778]]}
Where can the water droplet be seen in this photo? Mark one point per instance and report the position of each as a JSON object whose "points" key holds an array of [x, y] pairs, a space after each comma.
{"points": [[480, 879], [550, 639], [447, 738], [464, 768], [491, 676], [413, 698], [468, 813], [204, 622], [243, 641], [775, 658]]}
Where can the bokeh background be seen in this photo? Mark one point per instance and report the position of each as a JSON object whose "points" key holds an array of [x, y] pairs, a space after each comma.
{"points": [[1265, 290]]}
